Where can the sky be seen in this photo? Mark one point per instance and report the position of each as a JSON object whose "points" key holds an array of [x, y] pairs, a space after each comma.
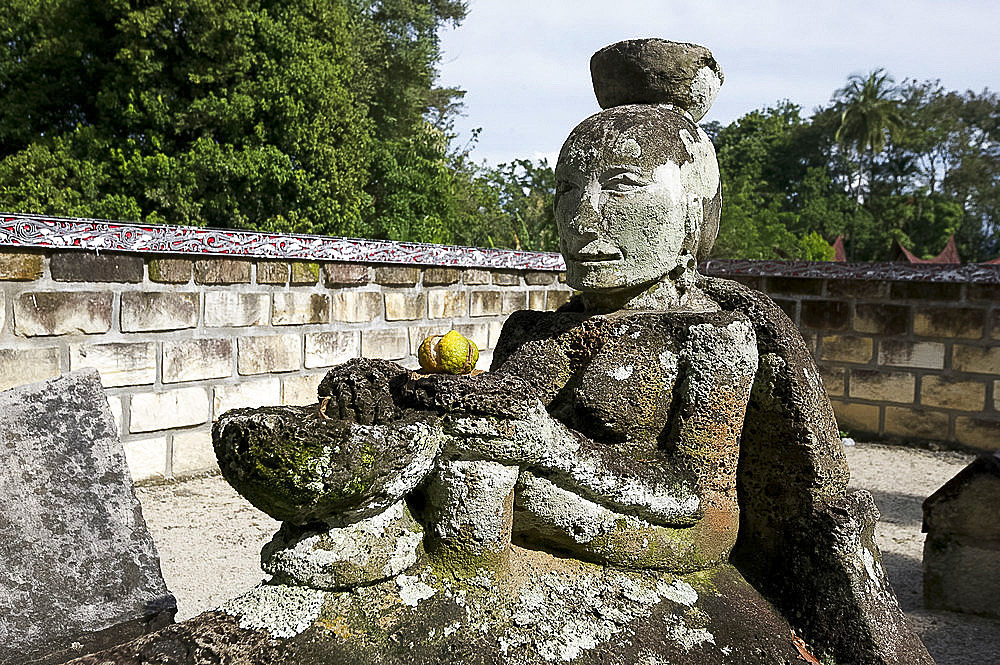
{"points": [[524, 64]]}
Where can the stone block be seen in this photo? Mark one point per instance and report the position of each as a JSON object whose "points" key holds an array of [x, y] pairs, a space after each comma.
{"points": [[21, 366], [120, 364], [147, 458], [536, 300], [418, 334], [115, 404], [54, 313], [475, 277], [388, 343], [250, 394], [222, 271], [479, 333], [794, 286], [513, 301], [397, 276], [539, 278], [900, 353], [192, 452], [556, 299], [225, 309], [149, 412], [857, 288], [962, 577], [443, 304], [882, 386], [404, 306], [916, 423], [170, 271], [104, 267], [881, 319], [847, 349], [346, 274], [486, 303], [950, 393], [441, 276], [980, 433], [272, 353], [197, 359], [297, 308], [926, 291], [144, 311], [856, 418], [304, 273], [496, 327], [825, 314], [357, 306], [300, 390], [272, 272], [79, 570], [507, 278], [950, 322], [976, 359], [326, 349], [982, 292], [834, 380], [20, 266]]}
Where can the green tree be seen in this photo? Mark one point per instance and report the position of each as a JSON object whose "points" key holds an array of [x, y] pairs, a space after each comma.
{"points": [[296, 115], [869, 114]]}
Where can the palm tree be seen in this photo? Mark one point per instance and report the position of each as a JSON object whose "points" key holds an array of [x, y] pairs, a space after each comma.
{"points": [[869, 114]]}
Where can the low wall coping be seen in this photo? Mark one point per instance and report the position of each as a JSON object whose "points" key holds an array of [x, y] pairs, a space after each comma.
{"points": [[34, 231], [972, 273]]}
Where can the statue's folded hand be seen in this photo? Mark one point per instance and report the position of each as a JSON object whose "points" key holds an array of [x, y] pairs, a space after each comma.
{"points": [[363, 391]]}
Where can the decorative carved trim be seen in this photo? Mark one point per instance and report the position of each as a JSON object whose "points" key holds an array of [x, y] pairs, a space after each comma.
{"points": [[972, 273], [99, 235]]}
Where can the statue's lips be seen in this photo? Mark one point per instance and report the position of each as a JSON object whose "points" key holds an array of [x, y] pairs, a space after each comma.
{"points": [[595, 258]]}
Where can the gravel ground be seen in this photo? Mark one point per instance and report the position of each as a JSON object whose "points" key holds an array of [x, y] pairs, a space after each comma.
{"points": [[210, 538]]}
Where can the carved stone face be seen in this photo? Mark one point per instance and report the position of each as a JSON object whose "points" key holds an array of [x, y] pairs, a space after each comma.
{"points": [[637, 196]]}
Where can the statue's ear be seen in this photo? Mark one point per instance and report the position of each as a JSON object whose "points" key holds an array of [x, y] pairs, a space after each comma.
{"points": [[711, 213]]}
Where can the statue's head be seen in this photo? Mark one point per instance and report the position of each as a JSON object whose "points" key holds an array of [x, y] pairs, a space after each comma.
{"points": [[637, 197], [637, 185]]}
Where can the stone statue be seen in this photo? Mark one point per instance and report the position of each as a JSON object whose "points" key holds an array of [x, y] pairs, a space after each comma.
{"points": [[651, 474]]}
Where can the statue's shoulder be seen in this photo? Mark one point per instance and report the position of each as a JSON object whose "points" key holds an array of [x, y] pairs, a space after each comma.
{"points": [[775, 331]]}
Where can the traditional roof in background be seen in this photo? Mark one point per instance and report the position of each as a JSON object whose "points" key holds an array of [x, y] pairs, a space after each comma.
{"points": [[948, 255]]}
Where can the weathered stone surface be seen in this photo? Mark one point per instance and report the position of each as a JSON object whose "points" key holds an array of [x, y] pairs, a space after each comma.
{"points": [[405, 306], [53, 313], [300, 390], [536, 300], [539, 278], [20, 266], [194, 359], [977, 359], [507, 278], [951, 393], [158, 310], [848, 349], [260, 392], [327, 349], [170, 271], [542, 609], [962, 550], [272, 272], [147, 458], [334, 559], [900, 353], [120, 364], [301, 468], [882, 386], [857, 418], [949, 322], [357, 306], [387, 344], [79, 570], [265, 354], [226, 308], [304, 273], [103, 267], [486, 303], [346, 274], [222, 271], [397, 276], [472, 276], [910, 424], [656, 71], [297, 308], [443, 304], [169, 409], [881, 319], [20, 366], [441, 276]]}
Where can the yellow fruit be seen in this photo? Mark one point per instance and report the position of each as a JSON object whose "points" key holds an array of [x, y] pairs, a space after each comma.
{"points": [[450, 353]]}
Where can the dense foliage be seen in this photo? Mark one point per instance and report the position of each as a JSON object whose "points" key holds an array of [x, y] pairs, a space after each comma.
{"points": [[322, 116]]}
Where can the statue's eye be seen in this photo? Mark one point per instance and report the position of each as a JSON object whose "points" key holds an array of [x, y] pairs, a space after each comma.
{"points": [[564, 187], [623, 182]]}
